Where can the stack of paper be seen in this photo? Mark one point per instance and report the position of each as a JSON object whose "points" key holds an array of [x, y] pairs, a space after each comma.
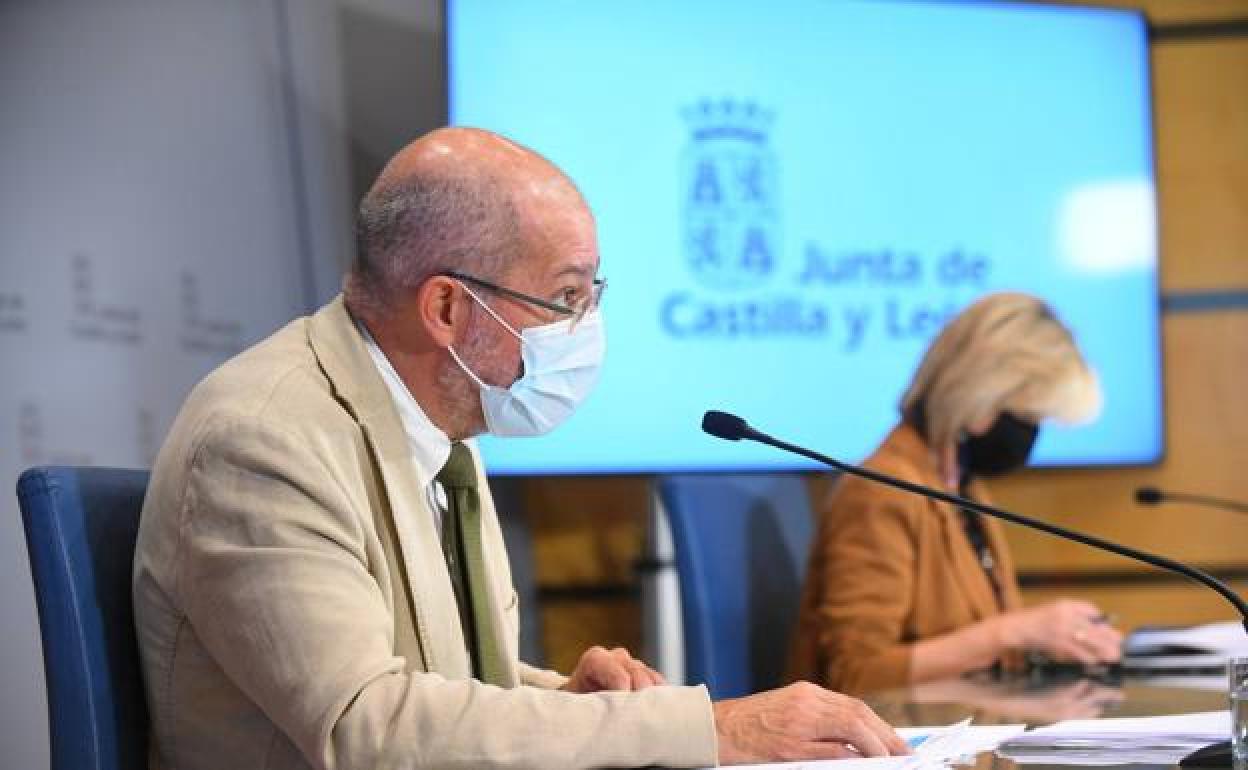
{"points": [[1198, 647], [1144, 740]]}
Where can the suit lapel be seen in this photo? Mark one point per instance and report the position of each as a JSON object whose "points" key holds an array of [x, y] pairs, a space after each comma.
{"points": [[345, 360], [970, 574], [1004, 569]]}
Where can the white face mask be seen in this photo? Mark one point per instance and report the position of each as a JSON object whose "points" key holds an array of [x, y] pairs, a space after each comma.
{"points": [[561, 367]]}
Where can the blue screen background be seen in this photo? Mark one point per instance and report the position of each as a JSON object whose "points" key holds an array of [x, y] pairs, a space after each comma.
{"points": [[897, 161]]}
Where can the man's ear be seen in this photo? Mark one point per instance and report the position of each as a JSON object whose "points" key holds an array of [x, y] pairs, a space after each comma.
{"points": [[440, 309]]}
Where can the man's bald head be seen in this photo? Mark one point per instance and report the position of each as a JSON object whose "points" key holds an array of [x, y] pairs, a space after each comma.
{"points": [[455, 199]]}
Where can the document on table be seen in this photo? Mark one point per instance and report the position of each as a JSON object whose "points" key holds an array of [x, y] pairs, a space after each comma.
{"points": [[933, 747], [1144, 740], [1220, 639], [1205, 647], [1212, 663], [1224, 638], [957, 741]]}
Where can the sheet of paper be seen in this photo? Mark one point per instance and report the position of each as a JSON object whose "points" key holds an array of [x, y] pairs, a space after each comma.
{"points": [[934, 747], [1222, 638], [1204, 725], [868, 763], [931, 742], [1204, 662], [958, 742], [1130, 740], [1163, 757]]}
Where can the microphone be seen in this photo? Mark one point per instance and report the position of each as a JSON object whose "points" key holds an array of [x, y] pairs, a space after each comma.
{"points": [[1154, 496], [733, 428], [729, 427]]}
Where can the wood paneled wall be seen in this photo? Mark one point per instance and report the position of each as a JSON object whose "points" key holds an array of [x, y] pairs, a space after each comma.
{"points": [[588, 532], [1201, 108], [587, 536]]}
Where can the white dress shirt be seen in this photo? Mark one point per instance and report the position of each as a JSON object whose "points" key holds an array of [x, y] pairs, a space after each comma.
{"points": [[428, 446]]}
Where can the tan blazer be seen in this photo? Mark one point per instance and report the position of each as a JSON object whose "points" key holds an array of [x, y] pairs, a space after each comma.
{"points": [[278, 626], [888, 568]]}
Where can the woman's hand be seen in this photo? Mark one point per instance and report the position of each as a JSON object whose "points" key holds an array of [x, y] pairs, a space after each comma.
{"points": [[1067, 630]]}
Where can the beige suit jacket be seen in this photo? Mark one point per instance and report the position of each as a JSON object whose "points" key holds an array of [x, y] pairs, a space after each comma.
{"points": [[277, 622]]}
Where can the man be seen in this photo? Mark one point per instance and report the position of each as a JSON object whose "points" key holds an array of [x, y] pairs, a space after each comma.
{"points": [[320, 580]]}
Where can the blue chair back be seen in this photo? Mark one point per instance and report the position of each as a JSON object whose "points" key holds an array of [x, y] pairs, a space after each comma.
{"points": [[741, 545], [81, 525]]}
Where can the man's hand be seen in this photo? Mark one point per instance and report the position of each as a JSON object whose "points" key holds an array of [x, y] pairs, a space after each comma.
{"points": [[801, 721], [603, 669]]}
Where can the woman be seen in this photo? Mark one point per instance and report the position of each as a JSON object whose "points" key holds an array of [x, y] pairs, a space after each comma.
{"points": [[902, 589]]}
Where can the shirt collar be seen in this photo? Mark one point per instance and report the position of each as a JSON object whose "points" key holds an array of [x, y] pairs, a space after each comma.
{"points": [[430, 447]]}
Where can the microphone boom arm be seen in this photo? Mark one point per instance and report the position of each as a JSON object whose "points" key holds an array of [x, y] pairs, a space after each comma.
{"points": [[1213, 502], [1155, 560]]}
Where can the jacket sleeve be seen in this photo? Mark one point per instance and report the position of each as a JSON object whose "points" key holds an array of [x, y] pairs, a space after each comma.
{"points": [[273, 577], [867, 547]]}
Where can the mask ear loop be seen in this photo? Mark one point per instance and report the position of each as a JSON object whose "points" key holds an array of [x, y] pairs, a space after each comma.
{"points": [[480, 384], [492, 312], [451, 348]]}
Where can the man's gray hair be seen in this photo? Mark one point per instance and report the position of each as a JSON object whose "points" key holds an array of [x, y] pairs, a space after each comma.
{"points": [[425, 224]]}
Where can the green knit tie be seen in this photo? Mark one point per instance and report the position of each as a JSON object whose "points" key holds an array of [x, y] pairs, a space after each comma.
{"points": [[461, 539]]}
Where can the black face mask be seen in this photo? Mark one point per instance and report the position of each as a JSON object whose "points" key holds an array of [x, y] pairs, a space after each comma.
{"points": [[1003, 448]]}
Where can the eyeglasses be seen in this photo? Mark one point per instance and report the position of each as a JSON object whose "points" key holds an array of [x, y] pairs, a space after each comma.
{"points": [[575, 310]]}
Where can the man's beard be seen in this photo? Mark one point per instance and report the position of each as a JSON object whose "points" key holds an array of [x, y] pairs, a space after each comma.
{"points": [[463, 394]]}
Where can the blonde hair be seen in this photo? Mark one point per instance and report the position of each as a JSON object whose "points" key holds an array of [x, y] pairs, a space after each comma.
{"points": [[1006, 352]]}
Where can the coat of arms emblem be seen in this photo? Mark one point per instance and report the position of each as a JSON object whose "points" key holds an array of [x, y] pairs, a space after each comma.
{"points": [[729, 190]]}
